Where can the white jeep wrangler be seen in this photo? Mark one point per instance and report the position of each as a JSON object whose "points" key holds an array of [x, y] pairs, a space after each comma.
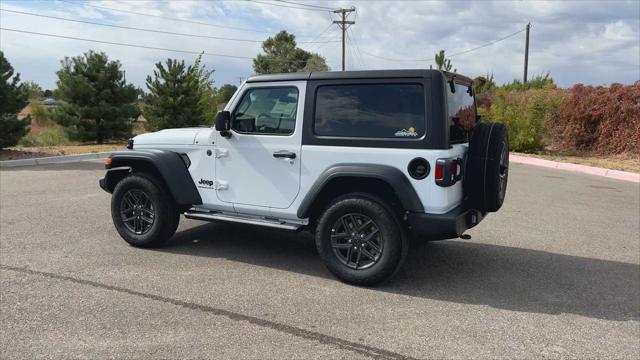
{"points": [[364, 159]]}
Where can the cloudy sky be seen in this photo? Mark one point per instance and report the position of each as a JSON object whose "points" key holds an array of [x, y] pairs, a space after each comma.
{"points": [[592, 42]]}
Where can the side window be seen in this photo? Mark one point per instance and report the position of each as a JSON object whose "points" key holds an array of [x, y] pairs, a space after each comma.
{"points": [[267, 111], [461, 113], [395, 111]]}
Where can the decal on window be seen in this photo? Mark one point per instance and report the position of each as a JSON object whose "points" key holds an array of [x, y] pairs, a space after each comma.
{"points": [[411, 132]]}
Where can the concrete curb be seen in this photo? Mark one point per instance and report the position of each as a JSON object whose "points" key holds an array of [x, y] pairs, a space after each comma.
{"points": [[585, 169], [54, 159]]}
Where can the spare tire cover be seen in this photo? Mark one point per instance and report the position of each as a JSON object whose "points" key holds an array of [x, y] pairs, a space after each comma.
{"points": [[487, 167]]}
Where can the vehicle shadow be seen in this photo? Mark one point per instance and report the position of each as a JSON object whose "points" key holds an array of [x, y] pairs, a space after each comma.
{"points": [[463, 272]]}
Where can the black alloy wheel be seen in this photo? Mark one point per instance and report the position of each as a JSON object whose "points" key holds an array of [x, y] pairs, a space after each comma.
{"points": [[137, 212], [356, 241]]}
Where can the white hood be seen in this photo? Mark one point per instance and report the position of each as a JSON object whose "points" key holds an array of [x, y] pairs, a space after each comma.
{"points": [[185, 136]]}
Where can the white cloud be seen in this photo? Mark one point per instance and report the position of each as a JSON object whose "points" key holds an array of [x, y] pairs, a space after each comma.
{"points": [[589, 42]]}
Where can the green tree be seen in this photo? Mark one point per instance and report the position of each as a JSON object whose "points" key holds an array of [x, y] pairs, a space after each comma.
{"points": [[226, 92], [281, 55], [316, 63], [208, 93], [442, 62], [98, 104], [180, 95], [13, 98]]}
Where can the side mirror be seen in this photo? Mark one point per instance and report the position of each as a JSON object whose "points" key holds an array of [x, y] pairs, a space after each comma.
{"points": [[223, 121]]}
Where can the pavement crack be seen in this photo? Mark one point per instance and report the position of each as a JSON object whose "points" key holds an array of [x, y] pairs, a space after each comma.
{"points": [[362, 349]]}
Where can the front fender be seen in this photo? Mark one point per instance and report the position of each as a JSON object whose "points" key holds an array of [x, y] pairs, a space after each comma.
{"points": [[169, 165]]}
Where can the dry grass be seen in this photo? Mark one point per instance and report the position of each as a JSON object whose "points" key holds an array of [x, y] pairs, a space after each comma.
{"points": [[38, 151], [622, 162]]}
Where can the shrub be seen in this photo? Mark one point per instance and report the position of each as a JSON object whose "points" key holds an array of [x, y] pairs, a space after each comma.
{"points": [[527, 115], [11, 130], [39, 114], [540, 82], [51, 136], [602, 119]]}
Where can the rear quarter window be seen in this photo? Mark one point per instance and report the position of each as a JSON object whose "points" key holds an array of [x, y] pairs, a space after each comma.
{"points": [[382, 111], [461, 113]]}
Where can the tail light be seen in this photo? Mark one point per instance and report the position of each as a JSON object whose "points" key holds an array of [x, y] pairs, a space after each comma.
{"points": [[448, 171]]}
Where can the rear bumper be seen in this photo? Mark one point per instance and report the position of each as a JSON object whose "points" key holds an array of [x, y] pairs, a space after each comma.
{"points": [[444, 226]]}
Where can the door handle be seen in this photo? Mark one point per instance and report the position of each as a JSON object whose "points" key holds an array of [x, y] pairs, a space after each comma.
{"points": [[284, 154]]}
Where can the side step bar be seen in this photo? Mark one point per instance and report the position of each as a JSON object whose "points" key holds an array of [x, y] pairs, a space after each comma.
{"points": [[274, 223]]}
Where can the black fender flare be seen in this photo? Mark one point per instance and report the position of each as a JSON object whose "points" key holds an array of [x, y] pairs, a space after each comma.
{"points": [[169, 165], [389, 174]]}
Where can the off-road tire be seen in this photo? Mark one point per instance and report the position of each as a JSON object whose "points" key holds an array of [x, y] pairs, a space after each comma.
{"points": [[393, 236], [487, 165], [166, 217]]}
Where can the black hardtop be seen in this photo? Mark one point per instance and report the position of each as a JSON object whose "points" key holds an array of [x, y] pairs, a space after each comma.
{"points": [[368, 74]]}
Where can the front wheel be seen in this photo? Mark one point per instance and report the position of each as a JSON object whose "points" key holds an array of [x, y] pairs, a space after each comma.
{"points": [[361, 240], [144, 215]]}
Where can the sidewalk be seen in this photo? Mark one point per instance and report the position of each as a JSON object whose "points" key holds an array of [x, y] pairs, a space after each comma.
{"points": [[585, 169]]}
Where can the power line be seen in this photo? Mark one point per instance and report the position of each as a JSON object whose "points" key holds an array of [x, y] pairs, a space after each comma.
{"points": [[318, 37], [317, 47], [354, 51], [140, 29], [309, 5], [144, 46], [165, 17], [357, 47], [448, 56], [286, 6], [487, 44]]}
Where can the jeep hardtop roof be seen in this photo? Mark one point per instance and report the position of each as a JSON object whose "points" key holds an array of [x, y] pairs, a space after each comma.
{"points": [[368, 74]]}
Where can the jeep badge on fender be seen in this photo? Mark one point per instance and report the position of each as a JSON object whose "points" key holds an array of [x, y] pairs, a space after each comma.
{"points": [[324, 152], [206, 182]]}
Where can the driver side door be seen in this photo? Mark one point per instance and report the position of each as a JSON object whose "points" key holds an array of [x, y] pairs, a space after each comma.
{"points": [[258, 165]]}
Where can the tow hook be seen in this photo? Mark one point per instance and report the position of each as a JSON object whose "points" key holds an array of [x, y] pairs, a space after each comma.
{"points": [[465, 236]]}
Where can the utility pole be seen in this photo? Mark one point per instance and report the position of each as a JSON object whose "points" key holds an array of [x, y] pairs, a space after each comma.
{"points": [[526, 53], [344, 25]]}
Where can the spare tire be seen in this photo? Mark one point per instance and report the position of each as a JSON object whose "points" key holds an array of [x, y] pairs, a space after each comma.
{"points": [[487, 167]]}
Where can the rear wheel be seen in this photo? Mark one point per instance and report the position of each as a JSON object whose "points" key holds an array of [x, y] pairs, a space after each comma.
{"points": [[142, 211], [361, 240]]}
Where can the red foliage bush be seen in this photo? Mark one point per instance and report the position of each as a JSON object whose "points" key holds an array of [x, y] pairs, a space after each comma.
{"points": [[602, 119]]}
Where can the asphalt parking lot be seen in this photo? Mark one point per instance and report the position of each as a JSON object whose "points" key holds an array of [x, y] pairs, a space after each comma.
{"points": [[556, 273]]}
